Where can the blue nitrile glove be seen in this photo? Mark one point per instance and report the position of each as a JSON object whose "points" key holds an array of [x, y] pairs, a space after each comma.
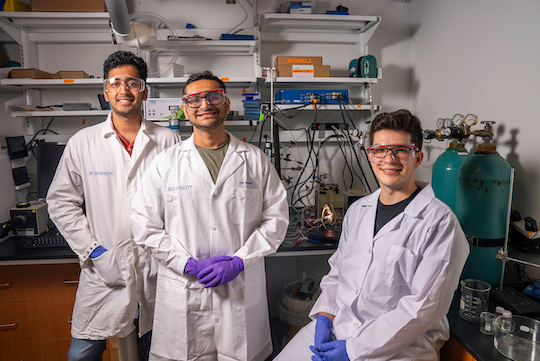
{"points": [[323, 328], [221, 272], [193, 266], [98, 251], [330, 351]]}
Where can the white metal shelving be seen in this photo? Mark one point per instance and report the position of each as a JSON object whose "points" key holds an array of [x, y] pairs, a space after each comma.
{"points": [[328, 107], [61, 113]]}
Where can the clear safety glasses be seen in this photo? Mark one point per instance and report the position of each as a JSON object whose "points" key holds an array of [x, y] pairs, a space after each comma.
{"points": [[214, 97], [113, 84], [400, 152]]}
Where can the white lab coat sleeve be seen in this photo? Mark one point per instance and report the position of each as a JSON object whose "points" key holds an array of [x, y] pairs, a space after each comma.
{"points": [[433, 285], [329, 283], [64, 200], [267, 237], [147, 220]]}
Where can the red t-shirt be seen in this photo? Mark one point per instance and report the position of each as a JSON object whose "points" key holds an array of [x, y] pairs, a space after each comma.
{"points": [[128, 146]]}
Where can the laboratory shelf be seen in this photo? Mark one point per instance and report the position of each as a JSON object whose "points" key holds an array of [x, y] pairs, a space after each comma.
{"points": [[234, 82], [27, 83], [61, 113], [320, 81], [348, 107], [308, 22], [190, 46], [45, 21], [317, 28]]}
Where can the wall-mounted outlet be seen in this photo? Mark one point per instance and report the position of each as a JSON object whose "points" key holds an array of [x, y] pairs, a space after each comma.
{"points": [[231, 1]]}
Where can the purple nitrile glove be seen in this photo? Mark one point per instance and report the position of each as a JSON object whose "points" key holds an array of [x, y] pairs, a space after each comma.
{"points": [[221, 272], [323, 328], [330, 351], [98, 251], [193, 266]]}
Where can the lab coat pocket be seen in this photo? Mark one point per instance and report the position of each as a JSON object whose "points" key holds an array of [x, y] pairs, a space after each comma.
{"points": [[400, 266], [245, 205], [108, 269]]}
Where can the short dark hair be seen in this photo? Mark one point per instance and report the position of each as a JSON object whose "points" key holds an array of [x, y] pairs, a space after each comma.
{"points": [[120, 58], [204, 75], [400, 120]]}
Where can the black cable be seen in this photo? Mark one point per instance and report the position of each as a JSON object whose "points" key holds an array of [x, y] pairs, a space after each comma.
{"points": [[346, 164]]}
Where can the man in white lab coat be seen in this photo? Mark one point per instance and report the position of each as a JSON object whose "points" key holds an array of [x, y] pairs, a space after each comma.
{"points": [[398, 263], [101, 167], [209, 210]]}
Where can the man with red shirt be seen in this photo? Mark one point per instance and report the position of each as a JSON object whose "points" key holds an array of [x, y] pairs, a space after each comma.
{"points": [[101, 167]]}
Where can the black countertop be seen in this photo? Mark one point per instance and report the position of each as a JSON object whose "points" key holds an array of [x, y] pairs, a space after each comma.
{"points": [[12, 250], [468, 334]]}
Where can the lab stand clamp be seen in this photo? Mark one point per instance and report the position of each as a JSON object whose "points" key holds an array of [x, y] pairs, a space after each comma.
{"points": [[459, 127]]}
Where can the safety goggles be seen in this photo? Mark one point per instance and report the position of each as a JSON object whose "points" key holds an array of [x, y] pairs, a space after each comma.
{"points": [[214, 97], [113, 84], [401, 152]]}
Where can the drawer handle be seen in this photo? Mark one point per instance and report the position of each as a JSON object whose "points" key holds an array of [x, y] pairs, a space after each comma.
{"points": [[71, 283], [70, 320], [9, 326], [6, 285]]}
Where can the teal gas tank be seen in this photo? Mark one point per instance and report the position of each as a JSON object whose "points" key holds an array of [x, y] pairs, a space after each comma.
{"points": [[483, 188], [445, 173]]}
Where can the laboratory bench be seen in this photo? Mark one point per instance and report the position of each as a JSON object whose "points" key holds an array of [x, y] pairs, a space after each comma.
{"points": [[37, 269], [467, 335]]}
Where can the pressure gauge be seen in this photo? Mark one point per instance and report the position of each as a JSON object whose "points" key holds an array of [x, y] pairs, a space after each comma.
{"points": [[471, 119], [440, 123], [458, 119], [447, 122]]}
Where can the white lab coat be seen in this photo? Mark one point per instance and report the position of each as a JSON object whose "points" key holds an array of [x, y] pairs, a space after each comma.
{"points": [[390, 293], [179, 213], [96, 169]]}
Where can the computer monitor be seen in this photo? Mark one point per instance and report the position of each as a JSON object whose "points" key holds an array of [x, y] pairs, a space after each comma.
{"points": [[48, 156]]}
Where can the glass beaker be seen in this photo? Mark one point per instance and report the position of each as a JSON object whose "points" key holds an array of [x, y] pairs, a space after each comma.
{"points": [[474, 299], [486, 323]]}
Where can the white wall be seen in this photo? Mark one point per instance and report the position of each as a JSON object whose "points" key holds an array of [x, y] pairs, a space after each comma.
{"points": [[482, 57]]}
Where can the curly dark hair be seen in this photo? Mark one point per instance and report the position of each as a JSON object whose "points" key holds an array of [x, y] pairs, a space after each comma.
{"points": [[400, 120], [120, 58], [204, 75]]}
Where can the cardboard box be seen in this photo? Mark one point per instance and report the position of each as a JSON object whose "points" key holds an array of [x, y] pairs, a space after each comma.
{"points": [[68, 5], [31, 73], [306, 60], [71, 75], [303, 71]]}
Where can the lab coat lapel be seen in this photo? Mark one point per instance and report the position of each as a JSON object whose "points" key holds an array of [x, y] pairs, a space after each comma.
{"points": [[195, 160], [233, 160]]}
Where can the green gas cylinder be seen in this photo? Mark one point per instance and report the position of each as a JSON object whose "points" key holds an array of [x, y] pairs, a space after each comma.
{"points": [[445, 173], [483, 188]]}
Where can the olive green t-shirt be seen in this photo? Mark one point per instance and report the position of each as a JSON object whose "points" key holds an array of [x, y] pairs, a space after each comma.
{"points": [[213, 158]]}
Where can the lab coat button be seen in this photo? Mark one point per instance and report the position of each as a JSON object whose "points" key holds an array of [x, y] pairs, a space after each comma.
{"points": [[356, 292], [355, 324], [217, 320], [213, 228]]}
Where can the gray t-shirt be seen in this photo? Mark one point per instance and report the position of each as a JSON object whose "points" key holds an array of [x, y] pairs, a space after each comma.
{"points": [[213, 158]]}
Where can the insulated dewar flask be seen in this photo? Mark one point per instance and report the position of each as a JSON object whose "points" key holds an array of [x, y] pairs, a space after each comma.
{"points": [[483, 188]]}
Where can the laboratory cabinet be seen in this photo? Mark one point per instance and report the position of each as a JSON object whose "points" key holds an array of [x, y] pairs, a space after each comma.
{"points": [[36, 303]]}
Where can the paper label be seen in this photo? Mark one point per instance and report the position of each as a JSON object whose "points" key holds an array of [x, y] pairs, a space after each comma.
{"points": [[299, 60]]}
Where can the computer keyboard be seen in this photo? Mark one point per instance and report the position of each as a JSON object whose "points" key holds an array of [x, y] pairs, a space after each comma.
{"points": [[515, 301], [45, 242]]}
